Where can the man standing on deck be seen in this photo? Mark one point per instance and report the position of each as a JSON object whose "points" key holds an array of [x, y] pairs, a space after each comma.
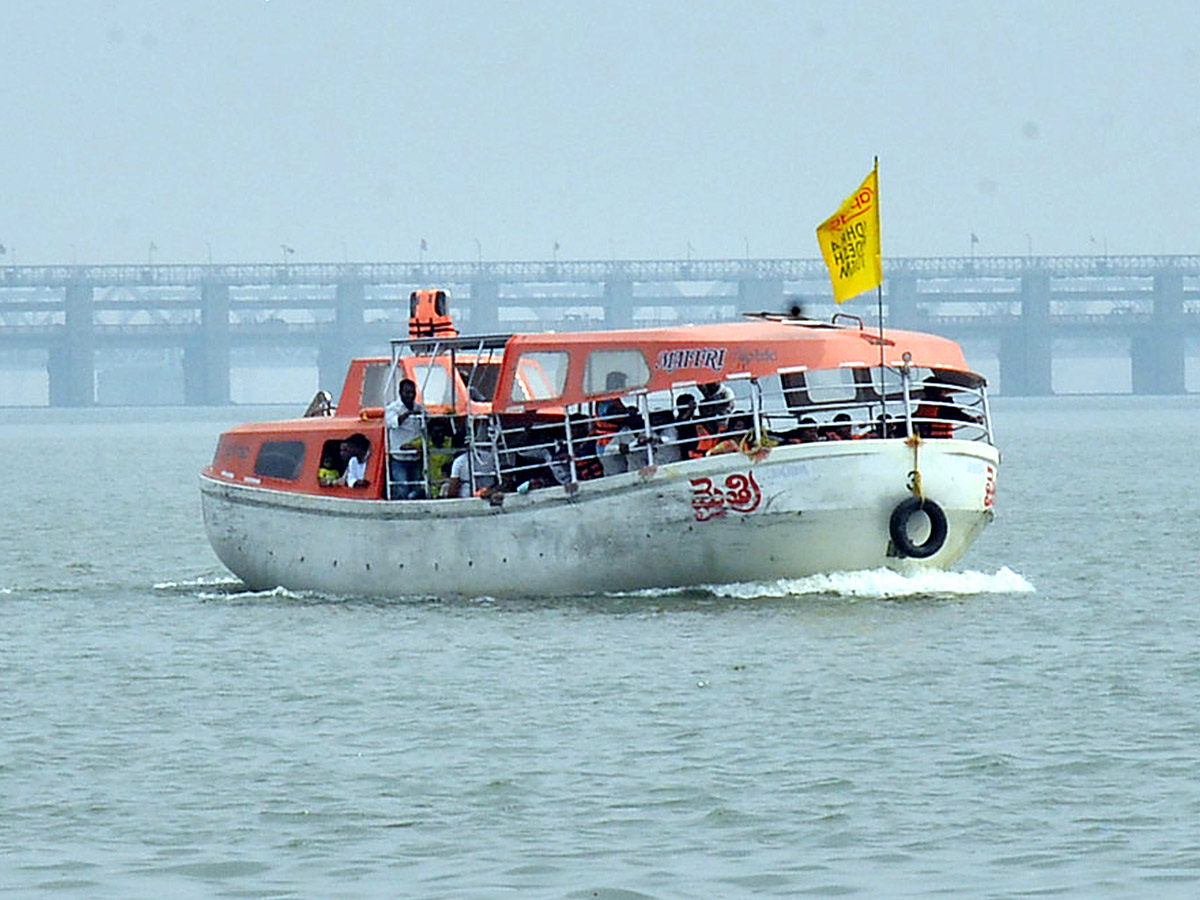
{"points": [[405, 420]]}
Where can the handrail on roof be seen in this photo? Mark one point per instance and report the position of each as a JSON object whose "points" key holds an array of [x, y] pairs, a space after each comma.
{"points": [[846, 315], [446, 344]]}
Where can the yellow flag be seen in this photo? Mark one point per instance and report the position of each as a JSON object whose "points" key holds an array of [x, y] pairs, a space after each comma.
{"points": [[849, 241]]}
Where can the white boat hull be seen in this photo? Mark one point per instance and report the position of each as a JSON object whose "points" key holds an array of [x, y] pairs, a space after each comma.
{"points": [[801, 510]]}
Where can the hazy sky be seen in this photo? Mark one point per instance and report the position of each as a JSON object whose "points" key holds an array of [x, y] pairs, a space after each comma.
{"points": [[355, 128]]}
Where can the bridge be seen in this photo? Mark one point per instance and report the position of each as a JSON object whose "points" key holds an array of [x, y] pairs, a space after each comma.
{"points": [[64, 317]]}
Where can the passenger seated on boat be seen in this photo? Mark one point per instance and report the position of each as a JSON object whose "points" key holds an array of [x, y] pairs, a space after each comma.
{"points": [[355, 450], [478, 457], [838, 430], [887, 427], [622, 453], [459, 484], [613, 409], [441, 453], [685, 425], [938, 412], [716, 404], [405, 421], [329, 472], [712, 416], [555, 468], [544, 458], [587, 454], [804, 433], [665, 438], [733, 437]]}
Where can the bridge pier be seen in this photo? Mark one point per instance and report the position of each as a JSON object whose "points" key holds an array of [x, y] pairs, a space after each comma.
{"points": [[1026, 360], [485, 308], [901, 299], [760, 295], [618, 304], [337, 346], [1159, 354], [206, 359], [71, 365]]}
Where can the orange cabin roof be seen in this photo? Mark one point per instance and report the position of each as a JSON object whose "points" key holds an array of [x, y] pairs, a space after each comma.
{"points": [[703, 353]]}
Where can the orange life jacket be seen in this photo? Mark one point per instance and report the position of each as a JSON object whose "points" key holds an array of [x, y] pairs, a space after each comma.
{"points": [[931, 425], [603, 430], [706, 438]]}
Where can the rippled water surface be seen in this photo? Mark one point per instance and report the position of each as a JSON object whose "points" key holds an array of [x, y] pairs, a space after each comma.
{"points": [[1027, 726]]}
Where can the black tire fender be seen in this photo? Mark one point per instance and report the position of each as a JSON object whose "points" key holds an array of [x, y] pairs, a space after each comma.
{"points": [[898, 527]]}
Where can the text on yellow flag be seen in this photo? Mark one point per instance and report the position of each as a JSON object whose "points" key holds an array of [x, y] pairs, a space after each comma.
{"points": [[849, 242]]}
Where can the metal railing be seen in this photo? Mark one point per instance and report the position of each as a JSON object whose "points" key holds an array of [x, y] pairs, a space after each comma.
{"points": [[520, 453]]}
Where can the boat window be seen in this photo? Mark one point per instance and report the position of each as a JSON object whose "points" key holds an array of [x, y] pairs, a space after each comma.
{"points": [[609, 370], [374, 379], [280, 459], [433, 382], [480, 379], [540, 376], [823, 385]]}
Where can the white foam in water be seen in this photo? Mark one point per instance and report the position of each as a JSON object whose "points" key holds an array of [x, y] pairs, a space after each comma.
{"points": [[254, 595], [884, 583], [202, 581]]}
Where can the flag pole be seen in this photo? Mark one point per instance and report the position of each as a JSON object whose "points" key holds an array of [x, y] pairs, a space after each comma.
{"points": [[879, 300]]}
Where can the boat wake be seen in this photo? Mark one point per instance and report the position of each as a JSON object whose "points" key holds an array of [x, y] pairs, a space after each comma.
{"points": [[191, 584], [884, 584], [871, 584], [237, 591], [228, 588]]}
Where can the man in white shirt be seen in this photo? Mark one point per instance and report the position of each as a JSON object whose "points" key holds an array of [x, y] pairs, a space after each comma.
{"points": [[354, 451], [405, 421], [459, 484], [626, 451]]}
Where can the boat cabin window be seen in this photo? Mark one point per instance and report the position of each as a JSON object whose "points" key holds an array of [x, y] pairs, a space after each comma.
{"points": [[280, 459], [820, 386], [609, 370], [374, 379], [480, 379], [433, 383], [540, 376]]}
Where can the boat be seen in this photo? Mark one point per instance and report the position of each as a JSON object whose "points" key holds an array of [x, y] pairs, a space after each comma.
{"points": [[806, 447]]}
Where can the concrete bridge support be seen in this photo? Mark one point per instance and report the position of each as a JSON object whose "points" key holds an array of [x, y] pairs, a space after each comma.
{"points": [[72, 362], [1159, 353], [1025, 350], [337, 346], [618, 304], [760, 295], [485, 308], [206, 358], [901, 297]]}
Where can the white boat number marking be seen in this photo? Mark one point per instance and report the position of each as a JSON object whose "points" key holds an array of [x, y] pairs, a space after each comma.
{"points": [[740, 494]]}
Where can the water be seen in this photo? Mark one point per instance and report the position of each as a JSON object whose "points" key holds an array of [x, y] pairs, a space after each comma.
{"points": [[1025, 727]]}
